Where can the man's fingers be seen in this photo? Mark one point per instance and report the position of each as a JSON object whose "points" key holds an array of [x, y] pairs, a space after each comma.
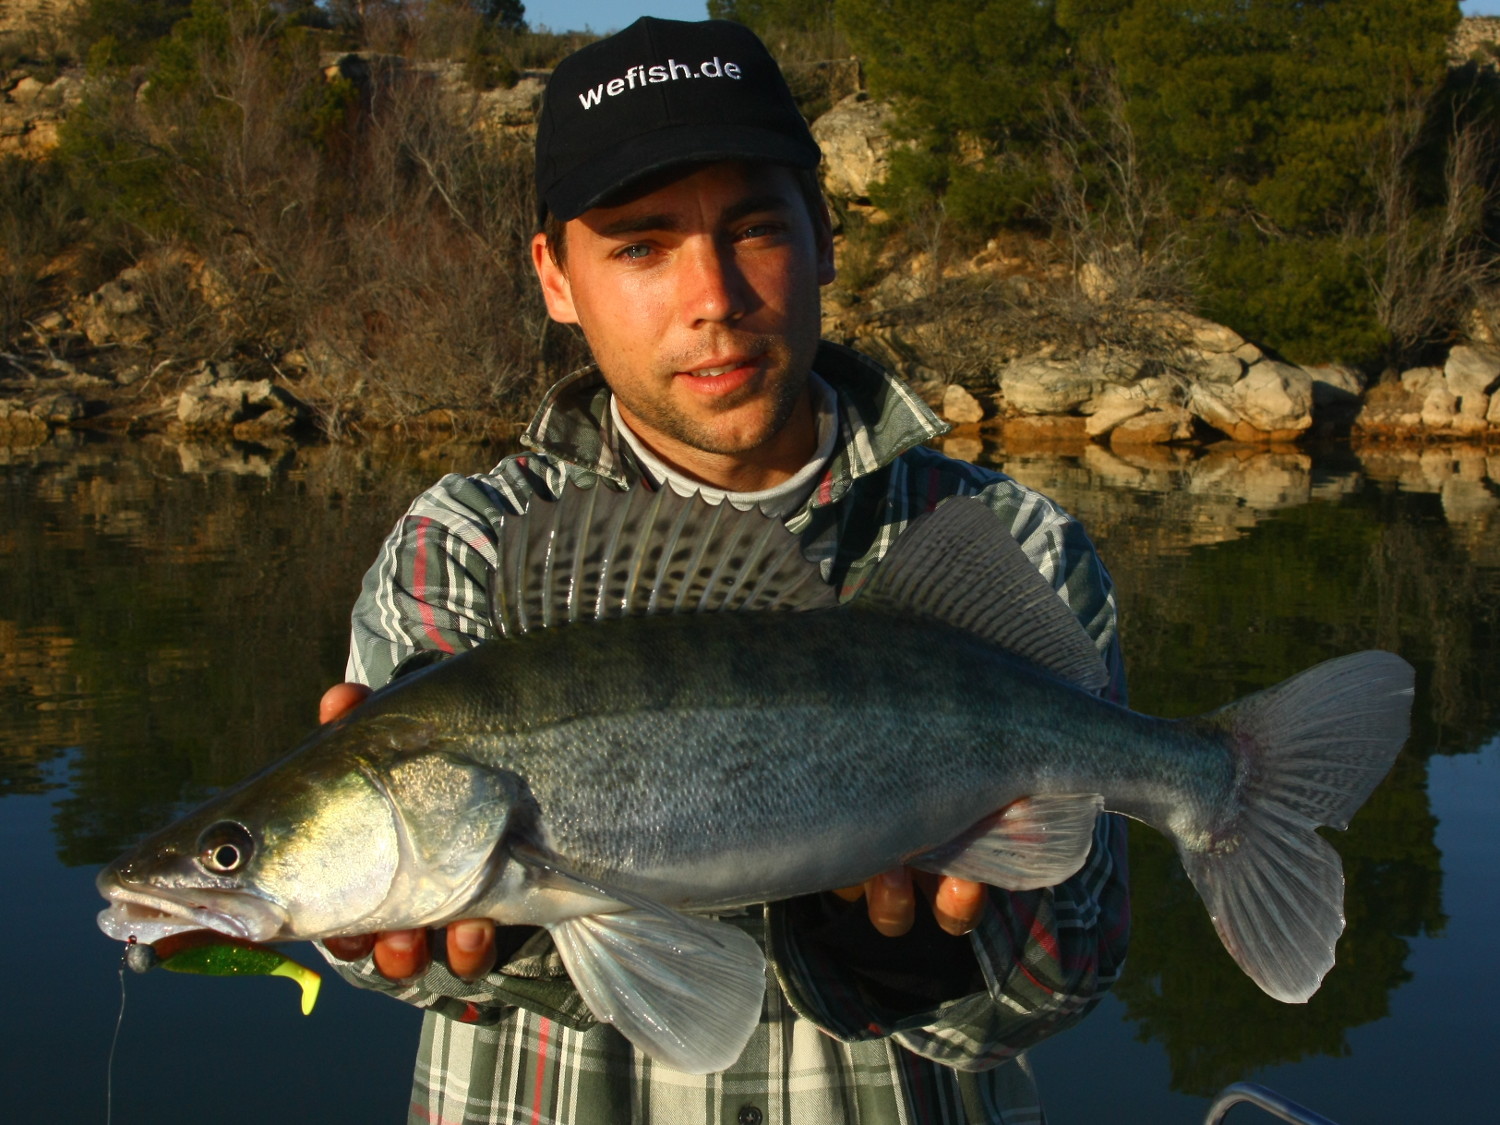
{"points": [[339, 700], [851, 894], [350, 948], [401, 954], [471, 947], [891, 902], [956, 905]]}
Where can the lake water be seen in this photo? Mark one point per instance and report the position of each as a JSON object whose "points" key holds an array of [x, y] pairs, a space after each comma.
{"points": [[170, 614]]}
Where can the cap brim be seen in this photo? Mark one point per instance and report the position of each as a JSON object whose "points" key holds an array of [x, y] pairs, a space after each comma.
{"points": [[612, 172]]}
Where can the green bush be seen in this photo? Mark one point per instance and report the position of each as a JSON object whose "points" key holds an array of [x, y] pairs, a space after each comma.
{"points": [[1306, 296], [124, 32]]}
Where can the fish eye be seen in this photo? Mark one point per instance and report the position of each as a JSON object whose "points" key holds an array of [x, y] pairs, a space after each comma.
{"points": [[225, 847]]}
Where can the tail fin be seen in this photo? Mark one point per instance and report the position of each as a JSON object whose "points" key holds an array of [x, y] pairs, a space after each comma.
{"points": [[1314, 749]]}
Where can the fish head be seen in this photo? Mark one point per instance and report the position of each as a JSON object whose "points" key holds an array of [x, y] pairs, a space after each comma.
{"points": [[376, 823], [306, 848]]}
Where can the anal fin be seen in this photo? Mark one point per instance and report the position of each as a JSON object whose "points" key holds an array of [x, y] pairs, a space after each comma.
{"points": [[1034, 842], [686, 991]]}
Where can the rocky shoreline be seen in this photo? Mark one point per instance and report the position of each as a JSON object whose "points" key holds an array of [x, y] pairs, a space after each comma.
{"points": [[90, 370], [1177, 381]]}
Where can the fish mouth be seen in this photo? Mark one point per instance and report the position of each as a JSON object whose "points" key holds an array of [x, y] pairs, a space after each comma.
{"points": [[150, 914]]}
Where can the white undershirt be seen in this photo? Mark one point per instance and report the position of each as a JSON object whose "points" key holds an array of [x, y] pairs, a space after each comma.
{"points": [[780, 500]]}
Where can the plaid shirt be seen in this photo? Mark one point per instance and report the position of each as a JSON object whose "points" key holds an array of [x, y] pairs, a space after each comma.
{"points": [[856, 1027]]}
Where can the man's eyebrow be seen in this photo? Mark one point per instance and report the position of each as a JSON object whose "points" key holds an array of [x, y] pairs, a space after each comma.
{"points": [[752, 205], [641, 224], [637, 224]]}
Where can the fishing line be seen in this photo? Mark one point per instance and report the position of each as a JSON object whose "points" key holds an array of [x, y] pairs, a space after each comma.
{"points": [[109, 1067]]}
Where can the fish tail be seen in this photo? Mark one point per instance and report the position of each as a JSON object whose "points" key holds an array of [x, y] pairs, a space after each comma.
{"points": [[1311, 750]]}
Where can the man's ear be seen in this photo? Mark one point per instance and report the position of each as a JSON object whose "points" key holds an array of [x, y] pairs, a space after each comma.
{"points": [[556, 291]]}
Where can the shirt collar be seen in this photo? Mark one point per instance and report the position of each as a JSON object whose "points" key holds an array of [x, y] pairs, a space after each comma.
{"points": [[880, 418]]}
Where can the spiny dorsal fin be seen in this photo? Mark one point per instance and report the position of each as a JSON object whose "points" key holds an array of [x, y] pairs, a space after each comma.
{"points": [[596, 553], [960, 565]]}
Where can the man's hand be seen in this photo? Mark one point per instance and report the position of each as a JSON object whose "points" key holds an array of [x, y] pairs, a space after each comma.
{"points": [[403, 954], [892, 902]]}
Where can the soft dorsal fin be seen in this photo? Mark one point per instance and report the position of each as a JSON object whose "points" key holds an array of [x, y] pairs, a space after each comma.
{"points": [[597, 553], [960, 565]]}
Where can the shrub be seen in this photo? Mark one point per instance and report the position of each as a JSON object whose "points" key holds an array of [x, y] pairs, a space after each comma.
{"points": [[38, 219], [368, 223], [1307, 295]]}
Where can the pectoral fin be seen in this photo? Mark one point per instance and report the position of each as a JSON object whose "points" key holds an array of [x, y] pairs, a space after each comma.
{"points": [[686, 991], [1034, 842]]}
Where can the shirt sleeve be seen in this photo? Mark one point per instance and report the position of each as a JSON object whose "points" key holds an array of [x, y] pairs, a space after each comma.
{"points": [[428, 591], [429, 587], [1040, 959]]}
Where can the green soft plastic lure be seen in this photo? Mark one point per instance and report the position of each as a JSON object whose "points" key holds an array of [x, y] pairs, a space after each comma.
{"points": [[214, 955]]}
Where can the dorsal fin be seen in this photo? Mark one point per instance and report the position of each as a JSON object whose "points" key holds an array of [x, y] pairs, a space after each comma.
{"points": [[960, 565], [597, 553]]}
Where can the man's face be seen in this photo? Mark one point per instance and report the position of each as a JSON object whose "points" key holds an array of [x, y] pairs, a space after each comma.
{"points": [[699, 300]]}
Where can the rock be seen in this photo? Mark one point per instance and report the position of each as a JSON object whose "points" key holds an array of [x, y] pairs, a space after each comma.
{"points": [[1273, 402], [64, 91], [1154, 427], [1420, 380], [26, 91], [1336, 386], [1248, 354], [1113, 407], [51, 323], [19, 426], [818, 86], [1046, 387], [960, 407], [1472, 371], [214, 401], [856, 140], [517, 105], [1389, 410], [1276, 396], [1475, 408], [1032, 430], [59, 409], [1095, 283], [1218, 367], [61, 368], [1439, 407], [1443, 412], [1210, 337], [265, 427], [199, 408], [115, 312]]}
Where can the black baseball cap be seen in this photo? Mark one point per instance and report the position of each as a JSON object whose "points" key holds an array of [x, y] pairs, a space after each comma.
{"points": [[662, 93]]}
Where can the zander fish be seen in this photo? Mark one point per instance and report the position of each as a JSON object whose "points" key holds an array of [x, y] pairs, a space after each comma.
{"points": [[618, 764]]}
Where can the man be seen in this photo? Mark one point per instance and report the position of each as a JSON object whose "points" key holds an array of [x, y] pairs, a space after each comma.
{"points": [[685, 235]]}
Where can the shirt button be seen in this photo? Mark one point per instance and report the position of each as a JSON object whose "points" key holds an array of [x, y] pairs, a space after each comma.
{"points": [[748, 1115]]}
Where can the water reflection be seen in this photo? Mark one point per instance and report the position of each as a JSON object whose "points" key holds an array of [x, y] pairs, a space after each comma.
{"points": [[172, 612], [1234, 570]]}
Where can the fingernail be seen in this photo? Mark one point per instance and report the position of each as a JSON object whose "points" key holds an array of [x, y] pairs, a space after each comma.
{"points": [[402, 941], [470, 938]]}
